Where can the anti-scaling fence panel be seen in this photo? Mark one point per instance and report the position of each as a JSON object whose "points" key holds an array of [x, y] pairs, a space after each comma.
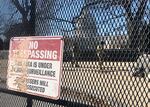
{"points": [[8, 100], [106, 51]]}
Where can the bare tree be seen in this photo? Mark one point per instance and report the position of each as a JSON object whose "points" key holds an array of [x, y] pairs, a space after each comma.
{"points": [[26, 27], [27, 10], [137, 29]]}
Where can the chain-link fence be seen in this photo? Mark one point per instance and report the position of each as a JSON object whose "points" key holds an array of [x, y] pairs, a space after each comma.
{"points": [[106, 52]]}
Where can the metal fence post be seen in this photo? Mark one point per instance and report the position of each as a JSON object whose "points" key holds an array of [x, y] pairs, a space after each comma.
{"points": [[29, 102]]}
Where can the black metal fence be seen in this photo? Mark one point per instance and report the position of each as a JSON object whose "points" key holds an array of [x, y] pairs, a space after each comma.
{"points": [[106, 51]]}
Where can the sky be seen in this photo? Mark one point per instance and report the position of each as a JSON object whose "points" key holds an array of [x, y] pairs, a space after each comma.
{"points": [[3, 9], [6, 10], [105, 22]]}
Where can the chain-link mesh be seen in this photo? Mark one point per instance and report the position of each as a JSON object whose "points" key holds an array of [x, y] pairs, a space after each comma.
{"points": [[106, 51]]}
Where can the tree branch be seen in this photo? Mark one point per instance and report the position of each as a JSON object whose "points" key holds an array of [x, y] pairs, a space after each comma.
{"points": [[127, 7], [62, 5], [141, 9], [18, 6], [26, 3], [27, 7], [13, 15], [58, 19], [95, 2]]}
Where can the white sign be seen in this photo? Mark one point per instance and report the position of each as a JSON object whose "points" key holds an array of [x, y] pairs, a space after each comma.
{"points": [[35, 65]]}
